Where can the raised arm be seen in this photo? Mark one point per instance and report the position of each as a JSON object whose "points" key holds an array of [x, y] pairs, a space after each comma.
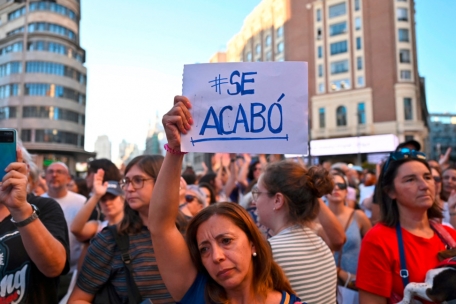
{"points": [[173, 257], [80, 227], [333, 229]]}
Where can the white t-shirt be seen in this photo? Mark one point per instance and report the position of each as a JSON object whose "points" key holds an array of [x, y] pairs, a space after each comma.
{"points": [[71, 204]]}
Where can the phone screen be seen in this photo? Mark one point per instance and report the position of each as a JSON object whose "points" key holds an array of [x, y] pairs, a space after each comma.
{"points": [[7, 149]]}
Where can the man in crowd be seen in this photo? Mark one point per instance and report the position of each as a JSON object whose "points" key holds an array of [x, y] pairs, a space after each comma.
{"points": [[57, 178], [33, 241]]}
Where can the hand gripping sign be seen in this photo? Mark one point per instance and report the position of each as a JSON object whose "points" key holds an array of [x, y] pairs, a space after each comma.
{"points": [[253, 107]]}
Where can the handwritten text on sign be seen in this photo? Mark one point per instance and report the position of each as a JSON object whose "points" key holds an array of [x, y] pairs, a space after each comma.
{"points": [[250, 107]]}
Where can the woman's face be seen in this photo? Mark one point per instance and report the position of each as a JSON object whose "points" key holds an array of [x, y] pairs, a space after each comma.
{"points": [[449, 180], [339, 193], [207, 194], [264, 203], [413, 187], [112, 205], [138, 198], [193, 204], [257, 171], [437, 181], [226, 252]]}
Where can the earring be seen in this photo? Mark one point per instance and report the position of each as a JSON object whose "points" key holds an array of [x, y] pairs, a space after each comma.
{"points": [[254, 254]]}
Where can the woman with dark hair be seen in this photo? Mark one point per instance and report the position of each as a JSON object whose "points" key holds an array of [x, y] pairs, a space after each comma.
{"points": [[209, 193], [225, 259], [287, 200], [79, 185], [448, 182], [103, 263], [404, 245]]}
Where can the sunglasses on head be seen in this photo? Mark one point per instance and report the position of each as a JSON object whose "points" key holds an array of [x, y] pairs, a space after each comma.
{"points": [[403, 153], [341, 186], [189, 198]]}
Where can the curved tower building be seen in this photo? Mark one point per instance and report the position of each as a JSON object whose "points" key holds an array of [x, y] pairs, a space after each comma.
{"points": [[43, 78]]}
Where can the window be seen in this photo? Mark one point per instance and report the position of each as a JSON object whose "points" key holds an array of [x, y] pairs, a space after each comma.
{"points": [[359, 63], [406, 74], [320, 70], [319, 33], [15, 31], [52, 113], [360, 81], [7, 112], [258, 49], [321, 88], [268, 56], [53, 7], [280, 48], [321, 116], [318, 13], [341, 116], [15, 47], [54, 68], [51, 27], [320, 52], [249, 56], [356, 5], [9, 90], [357, 23], [358, 43], [403, 35], [55, 136], [404, 56], [16, 14], [408, 114], [340, 84], [26, 135], [402, 14], [337, 10], [361, 114], [337, 28], [54, 91], [9, 68], [338, 47], [279, 32], [339, 67], [268, 40]]}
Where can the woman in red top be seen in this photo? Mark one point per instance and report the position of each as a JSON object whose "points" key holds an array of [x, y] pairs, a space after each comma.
{"points": [[405, 193]]}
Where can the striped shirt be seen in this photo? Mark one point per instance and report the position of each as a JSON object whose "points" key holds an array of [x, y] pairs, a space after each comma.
{"points": [[103, 263], [308, 264]]}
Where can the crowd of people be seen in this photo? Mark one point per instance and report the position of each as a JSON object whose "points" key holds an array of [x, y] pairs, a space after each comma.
{"points": [[252, 229]]}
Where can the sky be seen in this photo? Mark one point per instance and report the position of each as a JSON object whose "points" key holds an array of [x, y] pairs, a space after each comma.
{"points": [[135, 55]]}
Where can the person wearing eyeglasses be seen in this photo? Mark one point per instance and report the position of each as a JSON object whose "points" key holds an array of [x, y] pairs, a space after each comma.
{"points": [[356, 225], [287, 201], [194, 201], [405, 243], [103, 259]]}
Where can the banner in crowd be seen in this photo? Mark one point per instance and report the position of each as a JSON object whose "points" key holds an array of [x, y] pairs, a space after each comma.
{"points": [[251, 107]]}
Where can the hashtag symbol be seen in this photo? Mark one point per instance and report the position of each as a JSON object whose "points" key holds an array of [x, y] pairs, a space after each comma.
{"points": [[217, 82]]}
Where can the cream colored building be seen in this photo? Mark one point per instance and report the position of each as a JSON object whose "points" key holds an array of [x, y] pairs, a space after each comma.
{"points": [[363, 77], [43, 78]]}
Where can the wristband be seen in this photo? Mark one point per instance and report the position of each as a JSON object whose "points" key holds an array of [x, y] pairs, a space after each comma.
{"points": [[172, 151]]}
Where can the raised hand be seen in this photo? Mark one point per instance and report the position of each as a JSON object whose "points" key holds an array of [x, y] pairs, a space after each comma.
{"points": [[444, 160], [99, 188], [178, 120]]}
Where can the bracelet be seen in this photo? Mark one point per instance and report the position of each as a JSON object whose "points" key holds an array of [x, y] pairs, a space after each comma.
{"points": [[348, 279], [172, 151], [28, 220]]}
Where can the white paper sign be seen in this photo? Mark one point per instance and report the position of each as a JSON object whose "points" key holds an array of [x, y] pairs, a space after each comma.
{"points": [[251, 107]]}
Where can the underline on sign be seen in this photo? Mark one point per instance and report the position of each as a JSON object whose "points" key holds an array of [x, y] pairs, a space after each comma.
{"points": [[193, 141]]}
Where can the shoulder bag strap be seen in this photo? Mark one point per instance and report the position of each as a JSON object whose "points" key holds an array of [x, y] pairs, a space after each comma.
{"points": [[339, 260], [123, 242], [444, 236], [400, 243]]}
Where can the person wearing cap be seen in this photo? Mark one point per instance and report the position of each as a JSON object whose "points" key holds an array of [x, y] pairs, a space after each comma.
{"points": [[112, 200]]}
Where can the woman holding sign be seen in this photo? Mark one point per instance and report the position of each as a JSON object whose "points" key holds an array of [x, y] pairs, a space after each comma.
{"points": [[224, 258]]}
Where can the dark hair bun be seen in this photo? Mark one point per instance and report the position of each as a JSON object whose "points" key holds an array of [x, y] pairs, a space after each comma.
{"points": [[319, 181]]}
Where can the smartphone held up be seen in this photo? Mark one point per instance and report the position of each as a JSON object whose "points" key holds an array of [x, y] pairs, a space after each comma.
{"points": [[7, 149]]}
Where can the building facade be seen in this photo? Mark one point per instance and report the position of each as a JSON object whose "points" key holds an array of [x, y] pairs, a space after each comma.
{"points": [[362, 62], [442, 128], [43, 78], [103, 147]]}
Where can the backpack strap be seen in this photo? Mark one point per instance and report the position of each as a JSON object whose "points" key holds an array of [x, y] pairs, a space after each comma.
{"points": [[123, 242], [443, 234]]}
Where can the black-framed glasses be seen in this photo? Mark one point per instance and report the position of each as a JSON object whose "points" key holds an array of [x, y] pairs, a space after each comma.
{"points": [[256, 194], [189, 198], [403, 153], [136, 181], [341, 186]]}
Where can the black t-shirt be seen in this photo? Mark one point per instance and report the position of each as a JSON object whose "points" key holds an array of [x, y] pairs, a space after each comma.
{"points": [[20, 279]]}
